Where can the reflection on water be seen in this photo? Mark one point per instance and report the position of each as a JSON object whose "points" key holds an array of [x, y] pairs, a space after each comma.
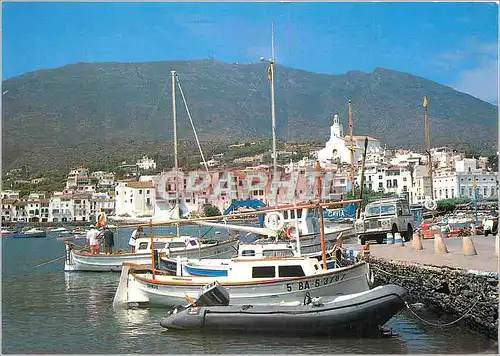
{"points": [[45, 310]]}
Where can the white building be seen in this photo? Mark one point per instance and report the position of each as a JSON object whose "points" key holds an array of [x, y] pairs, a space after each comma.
{"points": [[466, 165], [32, 209], [443, 157], [335, 148], [77, 178], [421, 188], [101, 203], [146, 163], [8, 211], [386, 178], [105, 180], [10, 194], [373, 146], [211, 163], [134, 199], [81, 207], [20, 211], [60, 209], [461, 184]]}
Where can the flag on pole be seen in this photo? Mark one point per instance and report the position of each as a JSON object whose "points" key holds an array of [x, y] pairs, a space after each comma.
{"points": [[269, 72], [474, 184], [425, 102]]}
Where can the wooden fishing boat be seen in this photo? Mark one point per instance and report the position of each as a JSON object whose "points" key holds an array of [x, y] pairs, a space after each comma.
{"points": [[286, 222], [79, 259], [221, 267], [255, 281]]}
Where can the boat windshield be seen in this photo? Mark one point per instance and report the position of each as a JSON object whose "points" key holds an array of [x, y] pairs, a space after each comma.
{"points": [[384, 209]]}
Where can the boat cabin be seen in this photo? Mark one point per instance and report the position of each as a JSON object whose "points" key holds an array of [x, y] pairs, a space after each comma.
{"points": [[166, 244], [307, 220], [263, 250], [248, 269]]}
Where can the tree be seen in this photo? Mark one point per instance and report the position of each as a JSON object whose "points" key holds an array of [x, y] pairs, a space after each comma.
{"points": [[369, 195], [411, 168], [448, 205], [493, 162], [210, 210]]}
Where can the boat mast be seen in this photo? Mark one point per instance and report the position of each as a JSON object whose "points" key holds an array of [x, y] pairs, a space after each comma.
{"points": [[351, 172], [358, 213], [297, 230], [273, 109], [176, 163], [427, 143]]}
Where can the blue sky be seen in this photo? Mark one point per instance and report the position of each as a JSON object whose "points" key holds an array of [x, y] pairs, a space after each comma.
{"points": [[455, 44]]}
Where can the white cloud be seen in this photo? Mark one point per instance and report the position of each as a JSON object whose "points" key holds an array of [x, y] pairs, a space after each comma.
{"points": [[481, 82]]}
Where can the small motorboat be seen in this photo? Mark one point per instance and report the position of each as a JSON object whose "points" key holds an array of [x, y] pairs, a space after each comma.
{"points": [[31, 233], [57, 229], [348, 314]]}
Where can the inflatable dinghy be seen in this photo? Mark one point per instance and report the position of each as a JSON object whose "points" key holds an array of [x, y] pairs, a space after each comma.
{"points": [[351, 314]]}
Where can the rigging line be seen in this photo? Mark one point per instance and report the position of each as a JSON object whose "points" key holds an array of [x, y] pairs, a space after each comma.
{"points": [[155, 108], [192, 124], [250, 92]]}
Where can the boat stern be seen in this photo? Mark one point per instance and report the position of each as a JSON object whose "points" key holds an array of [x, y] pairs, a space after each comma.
{"points": [[128, 293]]}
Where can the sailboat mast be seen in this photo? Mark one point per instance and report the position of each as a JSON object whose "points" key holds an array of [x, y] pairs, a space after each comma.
{"points": [[176, 163], [351, 171], [273, 109]]}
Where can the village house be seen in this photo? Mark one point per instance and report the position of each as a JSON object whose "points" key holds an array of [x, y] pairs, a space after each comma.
{"points": [[146, 163], [134, 199], [105, 180], [60, 208], [101, 203]]}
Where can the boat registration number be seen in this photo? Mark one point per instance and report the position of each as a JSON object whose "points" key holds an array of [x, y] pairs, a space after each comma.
{"points": [[315, 283], [152, 286]]}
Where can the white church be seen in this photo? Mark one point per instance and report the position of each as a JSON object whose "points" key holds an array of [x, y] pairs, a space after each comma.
{"points": [[337, 148]]}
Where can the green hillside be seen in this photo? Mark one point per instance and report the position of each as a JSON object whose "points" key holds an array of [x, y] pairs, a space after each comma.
{"points": [[85, 111]]}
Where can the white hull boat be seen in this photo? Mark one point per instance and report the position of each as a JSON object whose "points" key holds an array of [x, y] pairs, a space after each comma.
{"points": [[79, 260], [140, 288]]}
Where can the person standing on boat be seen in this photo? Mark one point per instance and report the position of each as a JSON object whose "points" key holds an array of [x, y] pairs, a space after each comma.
{"points": [[136, 234], [92, 235], [109, 240]]}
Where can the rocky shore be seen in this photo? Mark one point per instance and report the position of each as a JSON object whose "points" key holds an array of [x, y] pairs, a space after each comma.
{"points": [[451, 290]]}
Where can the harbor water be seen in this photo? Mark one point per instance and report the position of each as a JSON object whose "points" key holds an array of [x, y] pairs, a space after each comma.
{"points": [[47, 310]]}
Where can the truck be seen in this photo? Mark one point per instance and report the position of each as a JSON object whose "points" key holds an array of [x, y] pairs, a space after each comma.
{"points": [[385, 216]]}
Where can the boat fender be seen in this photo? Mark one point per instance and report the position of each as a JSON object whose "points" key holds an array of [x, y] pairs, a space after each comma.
{"points": [[316, 302], [370, 278]]}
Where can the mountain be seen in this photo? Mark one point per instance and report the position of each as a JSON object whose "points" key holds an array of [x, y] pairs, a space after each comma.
{"points": [[57, 116]]}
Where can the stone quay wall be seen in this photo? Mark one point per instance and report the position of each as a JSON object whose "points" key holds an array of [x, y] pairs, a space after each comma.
{"points": [[451, 290]]}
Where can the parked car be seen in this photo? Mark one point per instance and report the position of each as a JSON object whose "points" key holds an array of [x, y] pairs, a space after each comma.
{"points": [[383, 216], [490, 224]]}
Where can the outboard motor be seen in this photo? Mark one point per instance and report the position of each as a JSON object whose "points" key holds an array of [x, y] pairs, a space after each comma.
{"points": [[213, 294]]}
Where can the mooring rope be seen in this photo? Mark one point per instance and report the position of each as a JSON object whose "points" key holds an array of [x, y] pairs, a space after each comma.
{"points": [[425, 321], [46, 263], [442, 325]]}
